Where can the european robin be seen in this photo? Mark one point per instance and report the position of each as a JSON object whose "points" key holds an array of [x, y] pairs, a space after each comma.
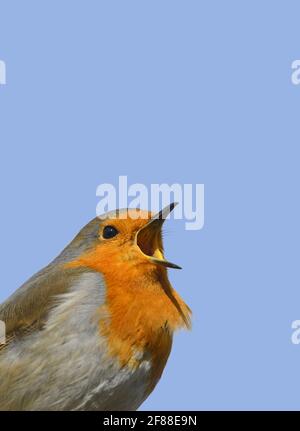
{"points": [[93, 330]]}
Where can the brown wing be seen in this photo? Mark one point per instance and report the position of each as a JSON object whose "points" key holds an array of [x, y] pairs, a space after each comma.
{"points": [[25, 310], [21, 332]]}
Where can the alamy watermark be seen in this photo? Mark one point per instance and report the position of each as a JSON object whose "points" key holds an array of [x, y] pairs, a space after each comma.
{"points": [[2, 72], [295, 77], [2, 332], [295, 338], [189, 199]]}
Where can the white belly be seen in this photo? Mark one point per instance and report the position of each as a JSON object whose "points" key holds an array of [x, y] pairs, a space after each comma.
{"points": [[66, 367]]}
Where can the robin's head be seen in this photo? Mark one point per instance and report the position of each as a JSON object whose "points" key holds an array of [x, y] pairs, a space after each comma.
{"points": [[126, 248], [131, 237]]}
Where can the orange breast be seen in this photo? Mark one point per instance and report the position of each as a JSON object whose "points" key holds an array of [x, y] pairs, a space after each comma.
{"points": [[142, 309]]}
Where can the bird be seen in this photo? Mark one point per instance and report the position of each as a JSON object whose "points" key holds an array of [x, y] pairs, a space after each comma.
{"points": [[93, 330]]}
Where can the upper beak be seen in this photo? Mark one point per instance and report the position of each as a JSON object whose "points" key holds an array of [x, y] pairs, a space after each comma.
{"points": [[148, 238]]}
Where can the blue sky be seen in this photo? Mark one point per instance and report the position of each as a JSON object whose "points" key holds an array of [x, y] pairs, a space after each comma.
{"points": [[165, 92]]}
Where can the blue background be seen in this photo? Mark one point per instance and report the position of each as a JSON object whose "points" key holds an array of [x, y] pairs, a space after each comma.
{"points": [[167, 91]]}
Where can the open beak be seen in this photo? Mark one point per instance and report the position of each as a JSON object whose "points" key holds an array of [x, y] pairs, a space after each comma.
{"points": [[149, 240]]}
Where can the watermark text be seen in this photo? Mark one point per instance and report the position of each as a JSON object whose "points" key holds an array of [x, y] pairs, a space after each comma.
{"points": [[2, 72], [189, 199], [2, 332]]}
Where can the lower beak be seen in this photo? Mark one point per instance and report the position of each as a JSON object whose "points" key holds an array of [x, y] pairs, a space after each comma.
{"points": [[148, 238]]}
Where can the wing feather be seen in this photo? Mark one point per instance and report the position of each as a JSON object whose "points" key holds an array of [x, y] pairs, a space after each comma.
{"points": [[26, 309]]}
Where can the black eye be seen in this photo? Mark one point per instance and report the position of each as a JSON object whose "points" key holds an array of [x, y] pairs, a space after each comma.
{"points": [[109, 232]]}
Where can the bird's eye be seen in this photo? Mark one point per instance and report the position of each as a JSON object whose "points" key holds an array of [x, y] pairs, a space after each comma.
{"points": [[109, 232]]}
